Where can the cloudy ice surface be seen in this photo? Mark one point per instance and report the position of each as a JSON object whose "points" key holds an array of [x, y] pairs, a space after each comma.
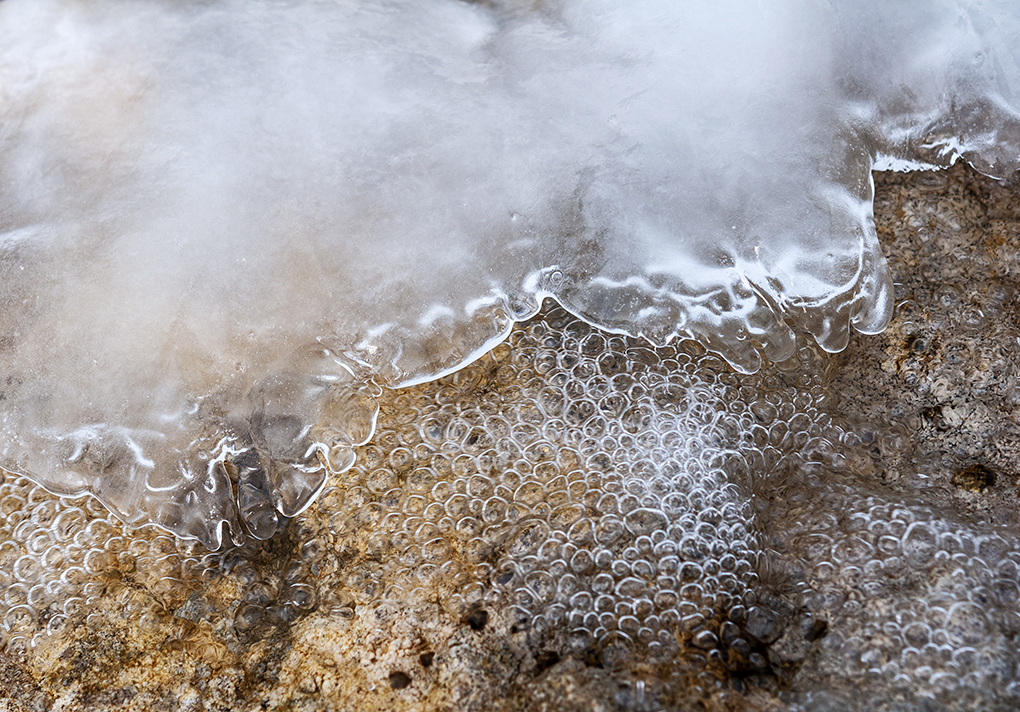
{"points": [[224, 223]]}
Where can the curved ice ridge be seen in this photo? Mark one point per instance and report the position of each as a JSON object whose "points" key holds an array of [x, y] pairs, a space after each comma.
{"points": [[223, 224]]}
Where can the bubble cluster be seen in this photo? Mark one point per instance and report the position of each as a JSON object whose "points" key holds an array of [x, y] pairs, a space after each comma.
{"points": [[60, 559], [408, 198], [588, 490], [577, 505], [915, 603]]}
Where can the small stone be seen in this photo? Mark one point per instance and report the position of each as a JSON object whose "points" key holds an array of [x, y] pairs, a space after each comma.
{"points": [[399, 680], [764, 625], [975, 478], [476, 620]]}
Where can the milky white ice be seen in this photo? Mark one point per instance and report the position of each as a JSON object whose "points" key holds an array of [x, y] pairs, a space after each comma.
{"points": [[222, 223]]}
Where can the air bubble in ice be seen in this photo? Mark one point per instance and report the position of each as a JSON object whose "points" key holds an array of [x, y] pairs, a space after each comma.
{"points": [[220, 221]]}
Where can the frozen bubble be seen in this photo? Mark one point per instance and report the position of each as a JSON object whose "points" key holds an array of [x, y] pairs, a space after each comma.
{"points": [[221, 222]]}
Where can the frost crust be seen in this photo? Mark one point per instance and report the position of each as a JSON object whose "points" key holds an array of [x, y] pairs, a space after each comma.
{"points": [[224, 225]]}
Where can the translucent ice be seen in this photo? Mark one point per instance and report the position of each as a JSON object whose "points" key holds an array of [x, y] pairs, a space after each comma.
{"points": [[222, 223]]}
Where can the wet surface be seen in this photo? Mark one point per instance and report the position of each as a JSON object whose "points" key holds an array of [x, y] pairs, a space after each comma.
{"points": [[579, 517]]}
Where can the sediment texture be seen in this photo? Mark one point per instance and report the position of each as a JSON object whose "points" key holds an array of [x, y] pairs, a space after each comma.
{"points": [[581, 521]]}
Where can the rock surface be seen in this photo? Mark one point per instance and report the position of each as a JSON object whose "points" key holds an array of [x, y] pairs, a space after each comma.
{"points": [[581, 521]]}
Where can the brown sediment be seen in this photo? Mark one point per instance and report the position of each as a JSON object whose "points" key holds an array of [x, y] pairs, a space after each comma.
{"points": [[541, 531]]}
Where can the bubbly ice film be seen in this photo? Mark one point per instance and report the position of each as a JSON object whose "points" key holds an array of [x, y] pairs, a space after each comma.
{"points": [[224, 224]]}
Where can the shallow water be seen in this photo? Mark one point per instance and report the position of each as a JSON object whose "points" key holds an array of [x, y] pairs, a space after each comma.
{"points": [[831, 532], [226, 227]]}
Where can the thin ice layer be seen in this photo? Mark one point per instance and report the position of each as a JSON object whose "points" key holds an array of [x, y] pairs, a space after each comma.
{"points": [[220, 221]]}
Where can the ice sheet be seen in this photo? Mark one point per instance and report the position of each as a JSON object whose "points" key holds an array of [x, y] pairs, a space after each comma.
{"points": [[224, 223]]}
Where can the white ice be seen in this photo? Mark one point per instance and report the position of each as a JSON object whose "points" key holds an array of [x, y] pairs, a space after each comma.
{"points": [[222, 222]]}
